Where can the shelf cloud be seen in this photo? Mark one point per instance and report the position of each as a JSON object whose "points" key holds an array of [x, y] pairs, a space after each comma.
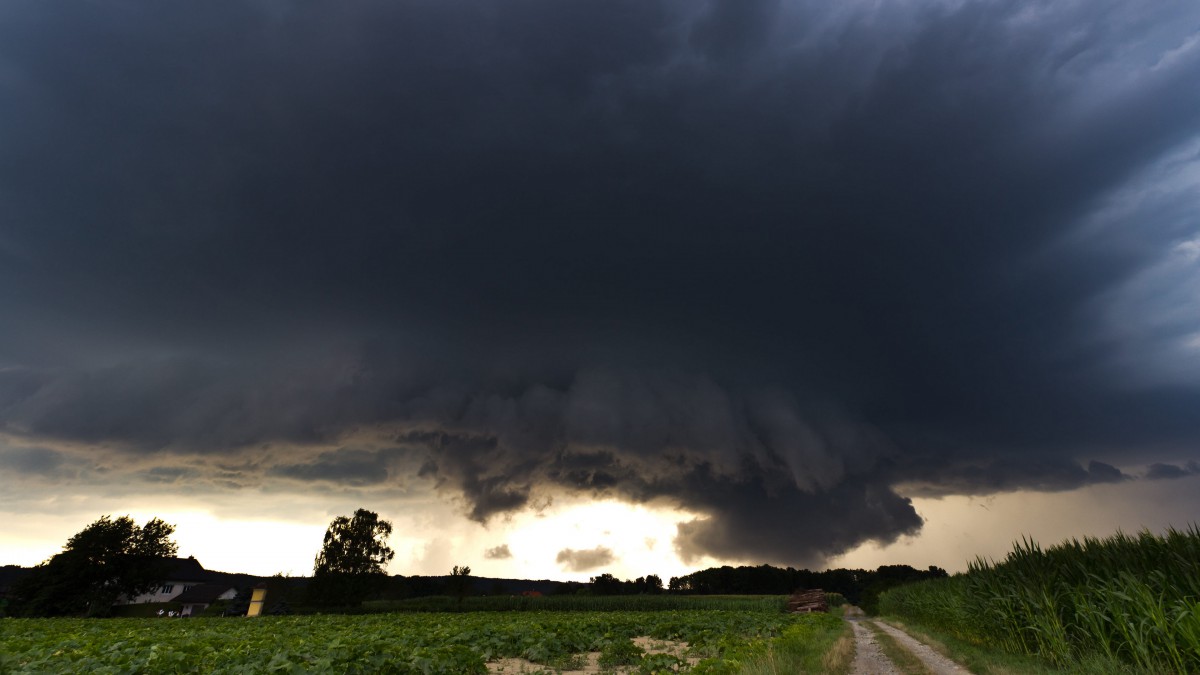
{"points": [[780, 265]]}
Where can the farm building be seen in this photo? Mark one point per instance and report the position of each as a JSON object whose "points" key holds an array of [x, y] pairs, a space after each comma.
{"points": [[186, 573], [197, 598]]}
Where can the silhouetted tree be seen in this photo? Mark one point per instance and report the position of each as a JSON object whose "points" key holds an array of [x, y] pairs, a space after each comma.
{"points": [[654, 584], [106, 560], [460, 581], [605, 584], [350, 565]]}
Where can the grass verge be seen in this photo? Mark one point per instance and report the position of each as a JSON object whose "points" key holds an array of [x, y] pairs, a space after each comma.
{"points": [[816, 643], [992, 661]]}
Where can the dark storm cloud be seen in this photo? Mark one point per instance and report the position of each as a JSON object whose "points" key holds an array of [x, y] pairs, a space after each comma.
{"points": [[31, 461], [349, 467], [1005, 475], [732, 27], [754, 521], [765, 260], [749, 462], [585, 560], [1171, 471], [500, 552], [170, 474]]}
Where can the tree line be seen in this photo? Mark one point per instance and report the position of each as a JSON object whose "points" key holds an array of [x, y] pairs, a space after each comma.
{"points": [[860, 587], [114, 558]]}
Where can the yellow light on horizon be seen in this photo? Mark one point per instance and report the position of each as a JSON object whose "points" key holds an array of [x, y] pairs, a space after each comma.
{"points": [[640, 537]]}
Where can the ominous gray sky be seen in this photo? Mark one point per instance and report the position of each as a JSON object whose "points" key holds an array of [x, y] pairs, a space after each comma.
{"points": [[783, 264]]}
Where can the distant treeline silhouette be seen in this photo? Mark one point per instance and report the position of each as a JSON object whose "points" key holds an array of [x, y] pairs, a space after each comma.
{"points": [[860, 587]]}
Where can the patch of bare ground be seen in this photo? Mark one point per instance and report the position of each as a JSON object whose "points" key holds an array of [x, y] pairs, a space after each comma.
{"points": [[591, 660]]}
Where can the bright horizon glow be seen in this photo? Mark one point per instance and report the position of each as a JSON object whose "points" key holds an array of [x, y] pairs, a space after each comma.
{"points": [[957, 529], [640, 538]]}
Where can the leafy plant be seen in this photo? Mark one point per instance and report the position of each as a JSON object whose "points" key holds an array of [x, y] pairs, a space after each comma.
{"points": [[620, 652], [409, 643], [658, 664]]}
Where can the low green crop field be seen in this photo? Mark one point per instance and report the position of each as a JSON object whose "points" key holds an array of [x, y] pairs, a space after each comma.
{"points": [[458, 643]]}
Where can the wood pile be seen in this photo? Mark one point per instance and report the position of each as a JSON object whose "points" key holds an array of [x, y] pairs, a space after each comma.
{"points": [[812, 600]]}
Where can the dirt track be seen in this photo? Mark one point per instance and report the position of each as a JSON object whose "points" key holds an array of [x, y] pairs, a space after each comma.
{"points": [[869, 658]]}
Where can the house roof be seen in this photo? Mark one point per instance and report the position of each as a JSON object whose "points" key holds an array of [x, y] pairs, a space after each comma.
{"points": [[204, 593], [187, 569]]}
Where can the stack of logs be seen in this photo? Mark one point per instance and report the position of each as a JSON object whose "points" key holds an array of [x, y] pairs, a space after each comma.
{"points": [[812, 600]]}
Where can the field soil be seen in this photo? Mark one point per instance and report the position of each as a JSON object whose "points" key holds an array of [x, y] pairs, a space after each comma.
{"points": [[592, 659]]}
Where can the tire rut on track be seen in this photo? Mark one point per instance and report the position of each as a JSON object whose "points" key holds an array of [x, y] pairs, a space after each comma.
{"points": [[869, 658], [935, 662]]}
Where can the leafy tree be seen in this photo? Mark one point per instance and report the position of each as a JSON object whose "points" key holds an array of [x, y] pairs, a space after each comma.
{"points": [[106, 560], [654, 584], [460, 581], [350, 565], [355, 545], [605, 584]]}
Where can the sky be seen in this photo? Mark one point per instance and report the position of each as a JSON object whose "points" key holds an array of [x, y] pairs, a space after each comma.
{"points": [[563, 288]]}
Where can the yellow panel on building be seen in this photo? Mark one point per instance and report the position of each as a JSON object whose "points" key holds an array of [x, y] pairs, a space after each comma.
{"points": [[258, 598]]}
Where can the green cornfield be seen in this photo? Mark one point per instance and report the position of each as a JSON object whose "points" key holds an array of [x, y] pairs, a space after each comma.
{"points": [[1132, 600]]}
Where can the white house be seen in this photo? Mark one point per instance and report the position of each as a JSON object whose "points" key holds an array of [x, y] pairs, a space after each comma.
{"points": [[197, 598]]}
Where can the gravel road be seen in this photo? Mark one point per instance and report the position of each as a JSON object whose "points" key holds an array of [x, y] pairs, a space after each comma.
{"points": [[934, 661], [869, 659]]}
